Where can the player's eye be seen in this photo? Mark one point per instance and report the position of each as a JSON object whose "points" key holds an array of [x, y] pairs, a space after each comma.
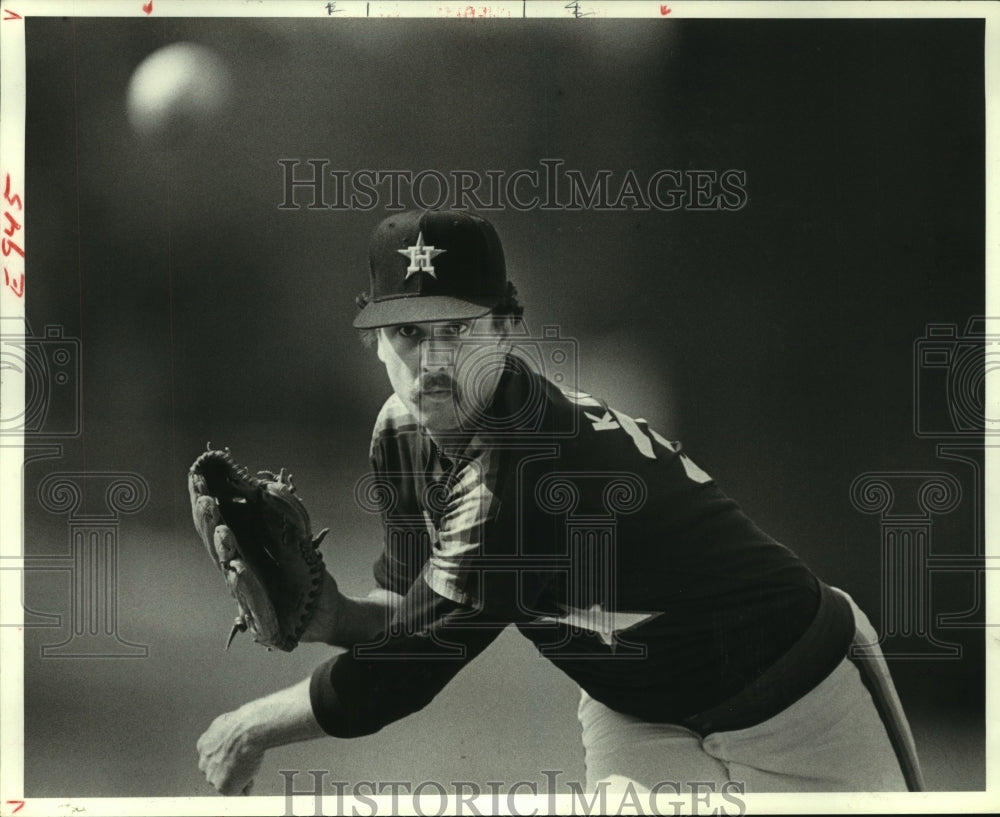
{"points": [[408, 331], [452, 330]]}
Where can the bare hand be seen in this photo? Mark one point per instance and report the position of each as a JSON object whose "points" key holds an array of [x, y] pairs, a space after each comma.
{"points": [[228, 757]]}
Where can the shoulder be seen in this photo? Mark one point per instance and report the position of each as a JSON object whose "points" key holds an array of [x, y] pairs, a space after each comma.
{"points": [[395, 428], [605, 432], [584, 426], [393, 418]]}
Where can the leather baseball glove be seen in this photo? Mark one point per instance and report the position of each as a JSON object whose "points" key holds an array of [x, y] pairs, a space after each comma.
{"points": [[257, 531]]}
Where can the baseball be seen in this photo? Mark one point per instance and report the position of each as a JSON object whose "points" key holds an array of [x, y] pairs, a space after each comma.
{"points": [[177, 90]]}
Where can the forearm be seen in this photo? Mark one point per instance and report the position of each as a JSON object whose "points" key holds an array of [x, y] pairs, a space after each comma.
{"points": [[232, 748], [362, 619], [343, 621], [281, 718], [429, 642]]}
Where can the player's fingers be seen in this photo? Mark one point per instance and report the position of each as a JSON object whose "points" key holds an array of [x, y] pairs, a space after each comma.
{"points": [[226, 547], [232, 783], [205, 512]]}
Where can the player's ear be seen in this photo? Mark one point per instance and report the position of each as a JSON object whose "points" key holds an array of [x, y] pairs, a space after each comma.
{"points": [[503, 326], [379, 340]]}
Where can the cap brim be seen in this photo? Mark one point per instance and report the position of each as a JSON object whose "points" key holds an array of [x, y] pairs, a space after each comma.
{"points": [[421, 309]]}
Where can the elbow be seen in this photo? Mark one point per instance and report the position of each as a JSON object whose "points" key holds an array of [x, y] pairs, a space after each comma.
{"points": [[357, 723], [347, 709]]}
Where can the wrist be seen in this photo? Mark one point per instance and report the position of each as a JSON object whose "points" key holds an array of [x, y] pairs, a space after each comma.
{"points": [[328, 616], [257, 730], [278, 719]]}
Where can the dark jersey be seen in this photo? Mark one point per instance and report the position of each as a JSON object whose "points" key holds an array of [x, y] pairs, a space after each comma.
{"points": [[600, 540]]}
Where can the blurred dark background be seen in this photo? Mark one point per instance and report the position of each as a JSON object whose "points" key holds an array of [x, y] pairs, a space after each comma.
{"points": [[776, 341]]}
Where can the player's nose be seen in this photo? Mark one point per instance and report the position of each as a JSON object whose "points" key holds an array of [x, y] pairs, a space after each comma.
{"points": [[437, 355]]}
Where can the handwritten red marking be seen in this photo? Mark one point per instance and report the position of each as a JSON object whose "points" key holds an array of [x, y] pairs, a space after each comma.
{"points": [[16, 285], [12, 224], [13, 16], [664, 9], [148, 7], [6, 246], [20, 805], [13, 280], [13, 201]]}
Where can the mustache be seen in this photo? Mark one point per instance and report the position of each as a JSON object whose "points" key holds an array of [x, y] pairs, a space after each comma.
{"points": [[437, 381]]}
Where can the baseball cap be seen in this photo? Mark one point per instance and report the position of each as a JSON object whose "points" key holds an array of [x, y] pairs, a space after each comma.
{"points": [[433, 265]]}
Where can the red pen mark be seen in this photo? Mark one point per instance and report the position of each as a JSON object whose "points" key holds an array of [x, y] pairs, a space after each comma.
{"points": [[20, 805], [6, 246], [148, 7], [13, 201], [664, 9], [13, 280], [13, 16], [16, 285], [12, 224]]}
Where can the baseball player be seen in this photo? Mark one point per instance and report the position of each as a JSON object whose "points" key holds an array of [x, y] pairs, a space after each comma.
{"points": [[704, 649]]}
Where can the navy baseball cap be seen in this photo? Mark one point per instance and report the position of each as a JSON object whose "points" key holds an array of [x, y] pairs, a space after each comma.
{"points": [[433, 265]]}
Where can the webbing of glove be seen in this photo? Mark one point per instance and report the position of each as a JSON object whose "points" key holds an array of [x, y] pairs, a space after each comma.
{"points": [[257, 531]]}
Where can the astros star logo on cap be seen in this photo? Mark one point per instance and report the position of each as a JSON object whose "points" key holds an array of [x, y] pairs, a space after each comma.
{"points": [[420, 256], [464, 284]]}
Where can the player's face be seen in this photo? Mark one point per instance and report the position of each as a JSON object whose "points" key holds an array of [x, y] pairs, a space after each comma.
{"points": [[445, 372]]}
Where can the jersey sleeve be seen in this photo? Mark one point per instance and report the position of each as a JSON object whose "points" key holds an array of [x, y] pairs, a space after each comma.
{"points": [[465, 530], [386, 454], [426, 644], [450, 613]]}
